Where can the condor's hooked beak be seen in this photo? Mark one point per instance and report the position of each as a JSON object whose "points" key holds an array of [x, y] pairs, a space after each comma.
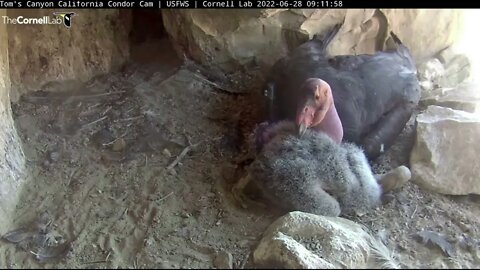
{"points": [[305, 118], [302, 129]]}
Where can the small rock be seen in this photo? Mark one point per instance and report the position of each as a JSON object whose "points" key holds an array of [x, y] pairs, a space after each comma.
{"points": [[185, 215], [223, 260], [54, 156], [427, 86], [165, 265], [119, 145], [430, 73], [167, 153], [149, 241], [464, 227], [395, 178], [244, 243], [172, 171], [444, 158]]}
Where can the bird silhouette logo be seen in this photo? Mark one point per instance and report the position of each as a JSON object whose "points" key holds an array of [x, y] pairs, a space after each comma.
{"points": [[66, 16]]}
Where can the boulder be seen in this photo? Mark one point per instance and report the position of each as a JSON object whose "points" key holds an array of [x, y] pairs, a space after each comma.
{"points": [[300, 240], [234, 39], [444, 158], [97, 42]]}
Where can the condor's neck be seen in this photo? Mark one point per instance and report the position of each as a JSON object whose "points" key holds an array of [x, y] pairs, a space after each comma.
{"points": [[331, 125]]}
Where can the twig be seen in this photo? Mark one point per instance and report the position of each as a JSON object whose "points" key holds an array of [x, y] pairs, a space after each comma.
{"points": [[100, 95], [107, 110], [33, 98], [89, 109], [112, 142], [213, 84], [124, 213], [130, 118], [95, 262], [181, 156], [414, 211], [244, 262], [188, 138], [186, 150], [129, 110], [71, 176], [94, 122], [258, 218], [166, 196]]}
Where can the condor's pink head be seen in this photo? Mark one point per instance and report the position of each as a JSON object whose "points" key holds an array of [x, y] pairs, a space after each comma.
{"points": [[316, 109]]}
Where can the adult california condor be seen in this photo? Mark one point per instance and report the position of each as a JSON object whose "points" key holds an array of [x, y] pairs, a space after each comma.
{"points": [[363, 99]]}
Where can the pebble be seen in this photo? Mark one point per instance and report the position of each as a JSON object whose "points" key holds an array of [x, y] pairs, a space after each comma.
{"points": [[167, 153], [223, 260], [54, 156], [119, 145]]}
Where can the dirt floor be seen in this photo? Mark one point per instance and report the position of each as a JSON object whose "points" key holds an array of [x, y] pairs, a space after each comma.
{"points": [[133, 170]]}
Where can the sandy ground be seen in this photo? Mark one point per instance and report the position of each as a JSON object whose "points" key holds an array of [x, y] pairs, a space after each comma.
{"points": [[105, 178]]}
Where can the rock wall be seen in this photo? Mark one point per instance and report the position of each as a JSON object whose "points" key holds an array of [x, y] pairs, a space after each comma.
{"points": [[34, 55], [11, 154], [96, 42], [235, 38]]}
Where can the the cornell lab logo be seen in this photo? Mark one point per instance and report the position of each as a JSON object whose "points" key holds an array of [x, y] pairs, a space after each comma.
{"points": [[66, 16]]}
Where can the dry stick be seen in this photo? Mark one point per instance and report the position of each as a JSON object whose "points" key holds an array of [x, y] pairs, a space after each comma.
{"points": [[186, 150], [166, 196], [130, 118], [108, 256], [99, 95], [94, 122], [181, 156], [112, 142], [33, 98], [244, 262], [95, 262], [212, 84], [100, 261], [414, 211], [107, 110]]}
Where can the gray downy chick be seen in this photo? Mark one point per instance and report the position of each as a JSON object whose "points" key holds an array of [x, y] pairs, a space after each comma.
{"points": [[312, 173]]}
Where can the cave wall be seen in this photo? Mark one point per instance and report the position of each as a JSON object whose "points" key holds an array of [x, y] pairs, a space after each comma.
{"points": [[34, 55], [12, 160], [235, 38], [97, 42]]}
